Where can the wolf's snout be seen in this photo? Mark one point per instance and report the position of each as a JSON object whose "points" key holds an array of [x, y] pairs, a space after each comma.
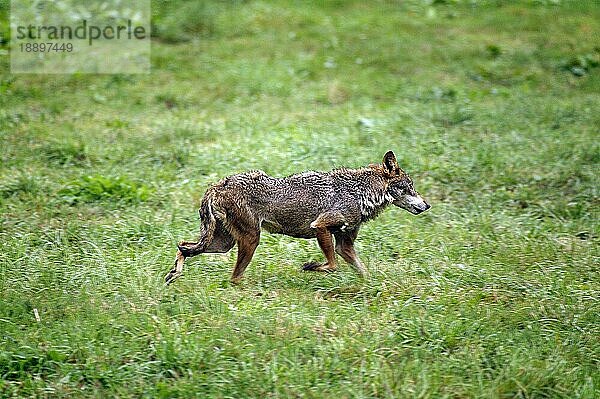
{"points": [[417, 204], [421, 208]]}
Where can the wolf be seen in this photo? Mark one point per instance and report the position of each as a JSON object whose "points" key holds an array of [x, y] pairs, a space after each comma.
{"points": [[321, 205]]}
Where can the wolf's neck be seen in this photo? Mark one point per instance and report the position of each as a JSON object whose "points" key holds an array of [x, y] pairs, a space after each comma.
{"points": [[373, 201]]}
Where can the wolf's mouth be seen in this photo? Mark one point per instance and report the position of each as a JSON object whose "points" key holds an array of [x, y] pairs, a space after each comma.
{"points": [[415, 210]]}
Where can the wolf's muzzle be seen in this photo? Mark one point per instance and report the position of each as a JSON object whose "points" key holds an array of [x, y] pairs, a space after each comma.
{"points": [[421, 208]]}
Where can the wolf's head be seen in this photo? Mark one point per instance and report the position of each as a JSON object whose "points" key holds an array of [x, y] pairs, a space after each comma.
{"points": [[400, 187]]}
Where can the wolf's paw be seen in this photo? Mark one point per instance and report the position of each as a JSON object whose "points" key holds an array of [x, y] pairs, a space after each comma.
{"points": [[317, 267], [236, 280], [171, 276], [310, 266]]}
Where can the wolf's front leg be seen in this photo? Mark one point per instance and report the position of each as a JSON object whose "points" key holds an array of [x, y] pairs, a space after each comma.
{"points": [[325, 241], [344, 246]]}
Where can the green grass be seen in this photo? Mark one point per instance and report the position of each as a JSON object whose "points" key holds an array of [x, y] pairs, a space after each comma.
{"points": [[492, 106]]}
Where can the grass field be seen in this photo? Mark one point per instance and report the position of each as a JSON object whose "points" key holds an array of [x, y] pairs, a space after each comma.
{"points": [[491, 106]]}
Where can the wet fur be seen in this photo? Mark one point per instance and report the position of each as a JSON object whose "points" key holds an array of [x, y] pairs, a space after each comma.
{"points": [[318, 205]]}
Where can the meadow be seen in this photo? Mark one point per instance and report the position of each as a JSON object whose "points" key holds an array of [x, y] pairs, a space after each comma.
{"points": [[491, 106]]}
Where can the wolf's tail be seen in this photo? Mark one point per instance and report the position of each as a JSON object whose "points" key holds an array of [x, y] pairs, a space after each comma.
{"points": [[208, 223]]}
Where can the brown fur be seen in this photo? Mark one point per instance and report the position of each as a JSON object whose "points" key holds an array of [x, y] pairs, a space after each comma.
{"points": [[321, 205]]}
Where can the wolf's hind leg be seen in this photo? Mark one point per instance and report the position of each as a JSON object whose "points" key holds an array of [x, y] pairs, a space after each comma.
{"points": [[246, 247], [221, 242], [185, 249], [177, 269]]}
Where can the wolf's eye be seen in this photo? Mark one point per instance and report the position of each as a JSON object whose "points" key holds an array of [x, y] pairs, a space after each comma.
{"points": [[399, 187]]}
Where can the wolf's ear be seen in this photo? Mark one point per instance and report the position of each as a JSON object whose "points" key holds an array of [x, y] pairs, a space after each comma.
{"points": [[390, 165]]}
